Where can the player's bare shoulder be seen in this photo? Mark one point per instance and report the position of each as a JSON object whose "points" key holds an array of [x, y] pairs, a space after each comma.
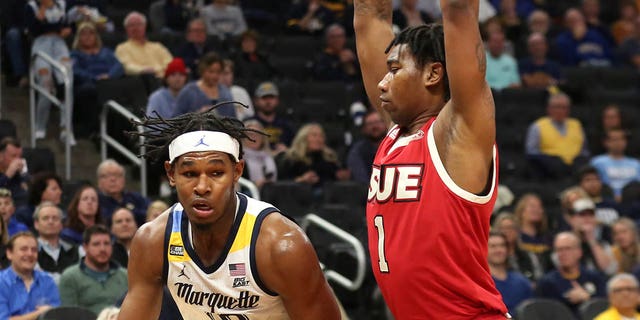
{"points": [[148, 241]]}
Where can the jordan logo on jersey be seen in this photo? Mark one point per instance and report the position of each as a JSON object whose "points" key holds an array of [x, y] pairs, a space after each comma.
{"points": [[402, 182], [214, 300]]}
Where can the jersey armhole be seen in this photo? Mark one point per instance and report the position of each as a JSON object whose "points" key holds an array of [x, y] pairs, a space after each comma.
{"points": [[448, 181], [165, 247], [252, 251]]}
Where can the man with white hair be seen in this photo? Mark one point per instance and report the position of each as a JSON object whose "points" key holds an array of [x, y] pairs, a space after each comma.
{"points": [[137, 54], [111, 184], [624, 298]]}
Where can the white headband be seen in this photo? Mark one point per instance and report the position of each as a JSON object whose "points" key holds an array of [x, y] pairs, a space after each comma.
{"points": [[203, 141]]}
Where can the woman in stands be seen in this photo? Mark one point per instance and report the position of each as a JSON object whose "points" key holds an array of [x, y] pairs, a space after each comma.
{"points": [[626, 245], [45, 186], [519, 260], [310, 160], [533, 225], [259, 164], [202, 94], [83, 212], [91, 62]]}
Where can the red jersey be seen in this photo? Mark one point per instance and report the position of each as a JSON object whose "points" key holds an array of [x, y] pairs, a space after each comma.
{"points": [[427, 236]]}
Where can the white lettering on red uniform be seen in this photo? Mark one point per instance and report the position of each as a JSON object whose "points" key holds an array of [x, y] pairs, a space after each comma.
{"points": [[402, 182]]}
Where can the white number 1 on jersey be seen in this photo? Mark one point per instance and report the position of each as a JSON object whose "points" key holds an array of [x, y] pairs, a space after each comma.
{"points": [[382, 259]]}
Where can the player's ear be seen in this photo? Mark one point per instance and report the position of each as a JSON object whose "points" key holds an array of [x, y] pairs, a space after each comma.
{"points": [[433, 74], [168, 168], [238, 168]]}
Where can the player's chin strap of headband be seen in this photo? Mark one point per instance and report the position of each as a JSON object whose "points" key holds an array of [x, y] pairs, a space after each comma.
{"points": [[195, 141]]}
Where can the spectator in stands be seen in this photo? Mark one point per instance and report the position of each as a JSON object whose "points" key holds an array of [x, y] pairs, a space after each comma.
{"points": [[595, 238], [89, 11], [362, 152], [626, 244], [155, 209], [96, 282], [54, 254], [7, 210], [25, 293], [259, 167], [266, 102], [238, 93], [196, 46], [409, 15], [532, 224], [170, 16], [581, 45], [137, 54], [83, 212], [111, 183], [123, 227], [310, 160], [615, 168], [513, 286], [629, 50], [556, 143], [13, 169], [611, 119], [592, 13], [14, 40], [4, 238], [527, 263], [624, 298], [47, 24], [201, 95], [45, 186], [91, 62], [536, 70], [162, 102], [223, 20], [502, 69], [336, 62], [511, 21], [249, 63], [606, 207], [624, 27], [309, 17], [571, 283]]}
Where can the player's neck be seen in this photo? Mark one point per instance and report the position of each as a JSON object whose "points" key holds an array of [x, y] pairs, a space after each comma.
{"points": [[208, 242]]}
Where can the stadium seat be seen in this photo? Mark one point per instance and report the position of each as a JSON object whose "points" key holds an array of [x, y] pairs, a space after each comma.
{"points": [[618, 79], [295, 46], [8, 129], [293, 199], [590, 309], [66, 313], [293, 68], [543, 309], [39, 160]]}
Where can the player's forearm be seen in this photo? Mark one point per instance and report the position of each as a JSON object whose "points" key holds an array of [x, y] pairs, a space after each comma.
{"points": [[376, 9], [459, 4]]}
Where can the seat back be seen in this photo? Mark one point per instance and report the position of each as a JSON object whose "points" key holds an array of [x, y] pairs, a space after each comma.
{"points": [[66, 313], [592, 308], [8, 129], [293, 199], [543, 309], [39, 159]]}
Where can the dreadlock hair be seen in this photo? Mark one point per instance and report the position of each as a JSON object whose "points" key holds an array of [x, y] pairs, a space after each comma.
{"points": [[159, 132], [426, 44]]}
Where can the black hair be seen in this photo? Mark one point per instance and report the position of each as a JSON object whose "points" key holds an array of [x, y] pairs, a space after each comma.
{"points": [[426, 44], [159, 132], [39, 184], [9, 141], [586, 170], [207, 60]]}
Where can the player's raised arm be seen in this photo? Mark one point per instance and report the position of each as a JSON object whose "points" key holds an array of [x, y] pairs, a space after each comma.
{"points": [[288, 265], [372, 24], [144, 298]]}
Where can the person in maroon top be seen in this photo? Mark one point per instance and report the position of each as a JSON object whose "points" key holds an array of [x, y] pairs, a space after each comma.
{"points": [[434, 179]]}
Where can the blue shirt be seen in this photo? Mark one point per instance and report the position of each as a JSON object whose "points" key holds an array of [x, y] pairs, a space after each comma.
{"points": [[592, 50], [130, 200], [162, 102], [514, 289], [554, 286], [616, 173], [14, 298], [502, 71], [15, 226], [550, 68], [87, 67], [191, 99]]}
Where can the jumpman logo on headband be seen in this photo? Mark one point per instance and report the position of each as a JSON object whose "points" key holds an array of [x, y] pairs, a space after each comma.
{"points": [[201, 142]]}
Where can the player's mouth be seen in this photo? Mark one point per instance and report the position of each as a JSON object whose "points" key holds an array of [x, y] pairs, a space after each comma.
{"points": [[202, 208]]}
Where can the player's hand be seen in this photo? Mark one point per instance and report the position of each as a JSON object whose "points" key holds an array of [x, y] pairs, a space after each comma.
{"points": [[15, 166], [577, 293]]}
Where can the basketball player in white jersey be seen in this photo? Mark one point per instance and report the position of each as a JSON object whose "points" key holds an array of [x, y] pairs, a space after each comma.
{"points": [[221, 254]]}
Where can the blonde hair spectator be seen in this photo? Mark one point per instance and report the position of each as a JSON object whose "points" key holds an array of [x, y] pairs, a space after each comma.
{"points": [[626, 244], [155, 209]]}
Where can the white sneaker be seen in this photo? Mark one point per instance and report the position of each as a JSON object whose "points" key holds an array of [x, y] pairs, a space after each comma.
{"points": [[40, 134], [63, 137]]}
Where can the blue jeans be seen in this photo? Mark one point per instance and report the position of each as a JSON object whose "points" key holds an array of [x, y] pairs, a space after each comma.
{"points": [[56, 48], [14, 49]]}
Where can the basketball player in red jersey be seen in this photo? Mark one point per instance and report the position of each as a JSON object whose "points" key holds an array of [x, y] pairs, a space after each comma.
{"points": [[434, 177]]}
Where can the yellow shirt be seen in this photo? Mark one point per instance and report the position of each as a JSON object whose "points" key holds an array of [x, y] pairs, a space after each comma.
{"points": [[136, 57], [612, 314], [552, 142]]}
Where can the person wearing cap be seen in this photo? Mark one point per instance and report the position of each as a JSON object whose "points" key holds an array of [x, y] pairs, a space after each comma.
{"points": [[595, 237], [220, 253], [163, 100], [266, 102], [571, 282], [202, 94]]}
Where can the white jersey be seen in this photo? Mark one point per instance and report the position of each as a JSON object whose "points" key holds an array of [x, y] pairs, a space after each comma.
{"points": [[231, 288]]}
